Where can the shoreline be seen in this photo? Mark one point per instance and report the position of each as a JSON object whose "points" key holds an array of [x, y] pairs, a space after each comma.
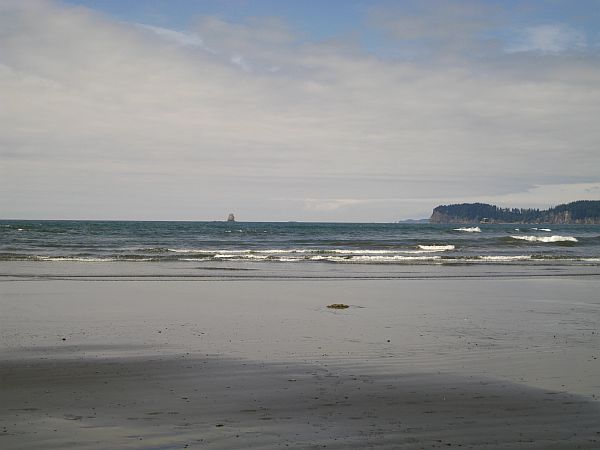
{"points": [[232, 270]]}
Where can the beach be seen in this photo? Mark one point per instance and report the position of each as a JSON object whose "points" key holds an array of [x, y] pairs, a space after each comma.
{"points": [[153, 356]]}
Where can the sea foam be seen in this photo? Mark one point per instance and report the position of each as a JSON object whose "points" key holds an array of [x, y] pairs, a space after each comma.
{"points": [[503, 258], [555, 238], [373, 259], [436, 248], [469, 229], [89, 259]]}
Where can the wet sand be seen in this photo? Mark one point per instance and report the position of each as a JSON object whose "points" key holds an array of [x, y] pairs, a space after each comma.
{"points": [[210, 402], [487, 363]]}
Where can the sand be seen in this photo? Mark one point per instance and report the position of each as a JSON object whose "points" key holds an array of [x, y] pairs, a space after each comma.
{"points": [[224, 403], [484, 363]]}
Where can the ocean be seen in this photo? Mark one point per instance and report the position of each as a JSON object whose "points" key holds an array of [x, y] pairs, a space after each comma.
{"points": [[296, 242]]}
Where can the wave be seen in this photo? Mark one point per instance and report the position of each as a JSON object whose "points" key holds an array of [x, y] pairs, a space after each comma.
{"points": [[253, 253], [469, 229], [554, 238], [373, 259], [437, 248], [358, 252], [191, 250], [503, 258], [89, 259], [423, 249], [542, 229], [315, 258], [237, 251], [240, 256]]}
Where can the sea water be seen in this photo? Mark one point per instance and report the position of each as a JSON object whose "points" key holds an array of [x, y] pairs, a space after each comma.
{"points": [[296, 242]]}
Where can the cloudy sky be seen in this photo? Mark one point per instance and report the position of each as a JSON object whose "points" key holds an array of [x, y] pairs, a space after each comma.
{"points": [[347, 110]]}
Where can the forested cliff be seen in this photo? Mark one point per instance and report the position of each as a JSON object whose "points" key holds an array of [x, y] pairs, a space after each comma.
{"points": [[582, 211]]}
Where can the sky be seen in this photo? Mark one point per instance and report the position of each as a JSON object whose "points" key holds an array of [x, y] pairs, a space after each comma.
{"points": [[349, 111]]}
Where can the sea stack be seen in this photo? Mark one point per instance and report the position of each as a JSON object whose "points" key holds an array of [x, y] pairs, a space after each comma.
{"points": [[230, 218]]}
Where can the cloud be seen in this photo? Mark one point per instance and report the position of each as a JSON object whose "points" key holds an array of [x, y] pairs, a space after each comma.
{"points": [[102, 118], [439, 27], [549, 38], [332, 204], [457, 28], [241, 61], [185, 39]]}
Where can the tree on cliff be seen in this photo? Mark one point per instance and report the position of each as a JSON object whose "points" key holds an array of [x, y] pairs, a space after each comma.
{"points": [[582, 211]]}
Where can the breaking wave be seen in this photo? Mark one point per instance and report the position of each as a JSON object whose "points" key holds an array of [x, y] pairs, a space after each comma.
{"points": [[85, 259], [469, 229], [502, 258], [373, 259], [555, 238], [324, 257], [437, 248]]}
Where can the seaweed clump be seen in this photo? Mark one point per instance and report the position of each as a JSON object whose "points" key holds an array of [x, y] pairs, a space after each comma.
{"points": [[338, 306]]}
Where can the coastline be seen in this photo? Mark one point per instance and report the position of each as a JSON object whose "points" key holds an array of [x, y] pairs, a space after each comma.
{"points": [[243, 270]]}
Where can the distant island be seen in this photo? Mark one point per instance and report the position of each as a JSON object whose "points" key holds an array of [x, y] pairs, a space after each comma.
{"points": [[579, 212]]}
